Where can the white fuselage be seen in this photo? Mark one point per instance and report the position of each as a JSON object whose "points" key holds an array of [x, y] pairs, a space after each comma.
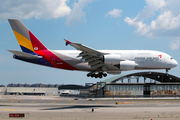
{"points": [[144, 59]]}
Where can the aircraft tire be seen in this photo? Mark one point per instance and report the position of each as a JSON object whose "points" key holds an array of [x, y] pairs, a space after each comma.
{"points": [[104, 74]]}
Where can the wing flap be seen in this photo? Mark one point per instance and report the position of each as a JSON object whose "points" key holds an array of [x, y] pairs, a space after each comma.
{"points": [[95, 62], [24, 55], [97, 66]]}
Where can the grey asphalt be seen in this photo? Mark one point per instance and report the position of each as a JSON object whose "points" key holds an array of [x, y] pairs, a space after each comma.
{"points": [[55, 107]]}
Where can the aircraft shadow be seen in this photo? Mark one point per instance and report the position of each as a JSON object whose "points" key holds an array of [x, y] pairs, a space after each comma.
{"points": [[78, 106], [5, 105]]}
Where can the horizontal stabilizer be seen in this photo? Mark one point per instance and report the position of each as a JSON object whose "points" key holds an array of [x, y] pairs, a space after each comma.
{"points": [[24, 55]]}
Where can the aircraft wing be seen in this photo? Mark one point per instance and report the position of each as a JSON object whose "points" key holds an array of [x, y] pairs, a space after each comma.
{"points": [[83, 48], [92, 56], [24, 55]]}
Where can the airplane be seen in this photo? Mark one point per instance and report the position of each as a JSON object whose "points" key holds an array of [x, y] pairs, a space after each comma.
{"points": [[96, 62]]}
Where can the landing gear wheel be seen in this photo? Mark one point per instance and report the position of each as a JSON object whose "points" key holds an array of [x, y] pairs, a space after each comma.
{"points": [[89, 74], [104, 74], [98, 75], [92, 75]]}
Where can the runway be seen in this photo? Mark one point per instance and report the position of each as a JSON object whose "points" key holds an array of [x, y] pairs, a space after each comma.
{"points": [[58, 108]]}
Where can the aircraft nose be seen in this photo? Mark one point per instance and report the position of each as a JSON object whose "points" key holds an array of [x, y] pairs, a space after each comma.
{"points": [[175, 63]]}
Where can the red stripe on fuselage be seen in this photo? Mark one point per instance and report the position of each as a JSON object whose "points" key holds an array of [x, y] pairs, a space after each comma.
{"points": [[41, 50], [51, 58]]}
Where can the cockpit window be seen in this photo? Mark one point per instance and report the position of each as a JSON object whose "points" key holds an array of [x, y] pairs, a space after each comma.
{"points": [[171, 58]]}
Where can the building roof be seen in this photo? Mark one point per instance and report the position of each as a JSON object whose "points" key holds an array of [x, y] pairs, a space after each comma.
{"points": [[157, 76]]}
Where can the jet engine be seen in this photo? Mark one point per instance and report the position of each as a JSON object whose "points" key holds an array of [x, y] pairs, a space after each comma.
{"points": [[127, 65], [115, 60], [112, 59]]}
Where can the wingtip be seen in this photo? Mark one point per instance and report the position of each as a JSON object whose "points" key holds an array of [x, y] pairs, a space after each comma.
{"points": [[67, 42]]}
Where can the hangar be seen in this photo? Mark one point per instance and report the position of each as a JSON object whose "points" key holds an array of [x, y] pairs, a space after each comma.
{"points": [[141, 84]]}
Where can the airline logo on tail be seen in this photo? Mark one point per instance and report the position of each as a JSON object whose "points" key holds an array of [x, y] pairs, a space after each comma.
{"points": [[35, 48]]}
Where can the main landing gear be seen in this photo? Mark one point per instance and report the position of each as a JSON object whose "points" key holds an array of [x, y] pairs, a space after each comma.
{"points": [[98, 75]]}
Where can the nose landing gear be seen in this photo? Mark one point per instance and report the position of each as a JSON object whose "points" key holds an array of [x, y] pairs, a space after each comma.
{"points": [[98, 75], [167, 72]]}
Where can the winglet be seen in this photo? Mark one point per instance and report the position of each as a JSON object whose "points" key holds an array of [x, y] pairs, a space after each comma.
{"points": [[67, 42]]}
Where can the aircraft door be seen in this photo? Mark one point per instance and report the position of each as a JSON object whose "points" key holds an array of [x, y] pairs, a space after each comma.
{"points": [[53, 60]]}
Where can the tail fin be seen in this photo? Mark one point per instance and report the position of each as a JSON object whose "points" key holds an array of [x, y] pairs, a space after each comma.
{"points": [[27, 41]]}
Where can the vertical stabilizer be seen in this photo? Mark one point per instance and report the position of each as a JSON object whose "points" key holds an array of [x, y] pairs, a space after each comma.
{"points": [[27, 41]]}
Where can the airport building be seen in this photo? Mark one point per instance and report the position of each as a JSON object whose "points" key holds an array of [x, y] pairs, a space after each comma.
{"points": [[141, 84], [27, 89], [3, 90], [41, 91]]}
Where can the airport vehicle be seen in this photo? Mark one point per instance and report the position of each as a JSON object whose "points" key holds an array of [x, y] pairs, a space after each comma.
{"points": [[96, 62]]}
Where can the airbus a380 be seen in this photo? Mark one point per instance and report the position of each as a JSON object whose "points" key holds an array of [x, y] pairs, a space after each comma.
{"points": [[96, 62]]}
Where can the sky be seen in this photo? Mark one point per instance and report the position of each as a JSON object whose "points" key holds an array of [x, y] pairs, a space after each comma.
{"points": [[99, 24]]}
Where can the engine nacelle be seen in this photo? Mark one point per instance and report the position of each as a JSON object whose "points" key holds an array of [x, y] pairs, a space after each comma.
{"points": [[111, 59], [127, 65]]}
